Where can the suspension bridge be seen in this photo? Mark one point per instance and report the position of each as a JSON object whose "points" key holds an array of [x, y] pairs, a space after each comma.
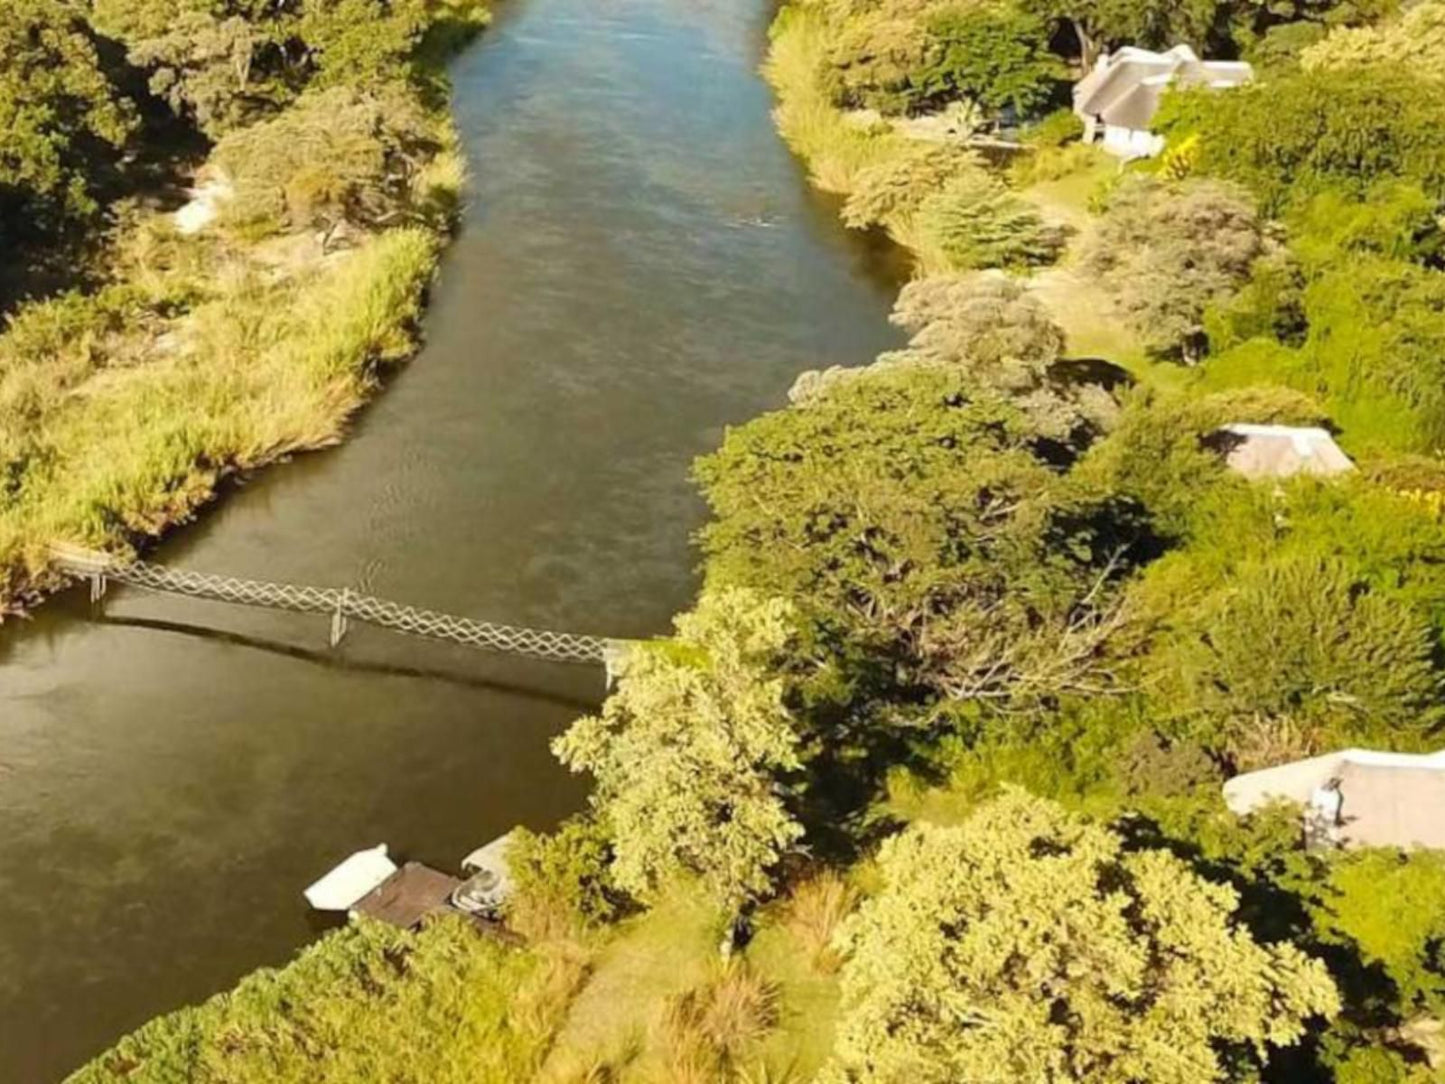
{"points": [[343, 605]]}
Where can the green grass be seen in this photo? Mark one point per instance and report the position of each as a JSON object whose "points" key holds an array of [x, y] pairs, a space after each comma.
{"points": [[366, 1003], [649, 959], [808, 998], [143, 426]]}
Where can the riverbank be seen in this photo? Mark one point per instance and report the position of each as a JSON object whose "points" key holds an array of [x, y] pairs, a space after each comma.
{"points": [[239, 330]]}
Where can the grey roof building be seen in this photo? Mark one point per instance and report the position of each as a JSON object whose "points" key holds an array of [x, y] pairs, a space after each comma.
{"points": [[1118, 99], [1356, 797]]}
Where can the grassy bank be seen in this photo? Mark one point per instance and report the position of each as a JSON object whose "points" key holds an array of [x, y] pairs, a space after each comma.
{"points": [[214, 352], [366, 1003]]}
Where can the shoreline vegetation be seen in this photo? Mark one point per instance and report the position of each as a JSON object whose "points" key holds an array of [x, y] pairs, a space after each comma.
{"points": [[252, 325], [927, 785]]}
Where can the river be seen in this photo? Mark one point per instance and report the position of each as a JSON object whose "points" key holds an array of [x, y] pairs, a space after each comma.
{"points": [[641, 264]]}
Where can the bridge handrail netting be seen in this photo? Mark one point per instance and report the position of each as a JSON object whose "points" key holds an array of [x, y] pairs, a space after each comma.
{"points": [[343, 605]]}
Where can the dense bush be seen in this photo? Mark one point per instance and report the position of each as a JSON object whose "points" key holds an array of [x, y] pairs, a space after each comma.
{"points": [[1297, 135], [1294, 656], [339, 155], [1157, 453]]}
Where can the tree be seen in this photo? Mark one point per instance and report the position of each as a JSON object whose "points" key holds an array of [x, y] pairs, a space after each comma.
{"points": [[1169, 252], [61, 118], [1099, 25], [688, 754], [929, 548], [1416, 40], [226, 63], [992, 327], [995, 56], [1028, 944], [896, 187], [975, 221], [990, 324]]}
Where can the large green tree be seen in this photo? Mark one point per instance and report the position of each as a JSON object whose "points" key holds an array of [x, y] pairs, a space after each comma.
{"points": [[912, 517], [689, 753], [1028, 944]]}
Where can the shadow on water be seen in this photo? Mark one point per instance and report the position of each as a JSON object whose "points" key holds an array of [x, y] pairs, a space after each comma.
{"points": [[336, 660]]}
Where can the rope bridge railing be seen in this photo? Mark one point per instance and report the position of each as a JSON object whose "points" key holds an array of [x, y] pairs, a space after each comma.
{"points": [[342, 604]]}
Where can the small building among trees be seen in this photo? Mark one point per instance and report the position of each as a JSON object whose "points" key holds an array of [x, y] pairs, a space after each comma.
{"points": [[1118, 99], [1356, 797], [1280, 451]]}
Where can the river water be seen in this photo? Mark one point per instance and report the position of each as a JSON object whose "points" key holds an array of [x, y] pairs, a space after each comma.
{"points": [[642, 264]]}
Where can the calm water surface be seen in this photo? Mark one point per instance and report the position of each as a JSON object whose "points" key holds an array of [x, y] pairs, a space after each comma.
{"points": [[642, 264]]}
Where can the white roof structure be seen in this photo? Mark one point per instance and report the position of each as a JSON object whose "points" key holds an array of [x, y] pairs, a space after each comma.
{"points": [[1125, 87], [1387, 799], [1282, 451], [353, 879]]}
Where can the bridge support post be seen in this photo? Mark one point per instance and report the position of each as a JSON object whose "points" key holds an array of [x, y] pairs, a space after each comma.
{"points": [[97, 589], [338, 619]]}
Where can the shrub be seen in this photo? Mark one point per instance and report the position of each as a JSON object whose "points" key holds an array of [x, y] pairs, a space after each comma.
{"points": [[896, 187], [1058, 128], [1029, 944], [1171, 251], [815, 909], [341, 155], [563, 880], [974, 221], [707, 1030]]}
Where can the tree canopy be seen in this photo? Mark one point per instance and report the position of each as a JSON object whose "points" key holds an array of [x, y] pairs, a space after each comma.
{"points": [[687, 754], [1029, 944], [912, 519], [62, 118]]}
